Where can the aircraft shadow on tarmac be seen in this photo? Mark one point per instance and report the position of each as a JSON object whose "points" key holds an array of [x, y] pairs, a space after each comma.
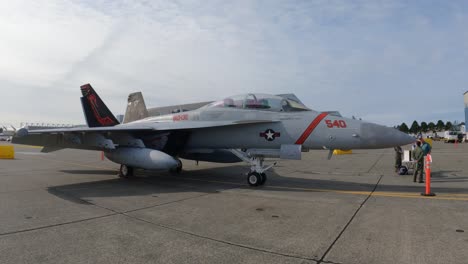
{"points": [[213, 180], [87, 172]]}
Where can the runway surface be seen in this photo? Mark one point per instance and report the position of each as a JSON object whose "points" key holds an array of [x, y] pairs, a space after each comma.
{"points": [[70, 207]]}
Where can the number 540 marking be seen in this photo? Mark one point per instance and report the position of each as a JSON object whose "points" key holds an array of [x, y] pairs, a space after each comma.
{"points": [[336, 123]]}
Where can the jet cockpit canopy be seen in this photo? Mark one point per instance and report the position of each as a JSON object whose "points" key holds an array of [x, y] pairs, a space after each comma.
{"points": [[264, 102]]}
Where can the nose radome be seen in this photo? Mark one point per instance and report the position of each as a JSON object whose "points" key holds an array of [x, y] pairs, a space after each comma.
{"points": [[377, 136]]}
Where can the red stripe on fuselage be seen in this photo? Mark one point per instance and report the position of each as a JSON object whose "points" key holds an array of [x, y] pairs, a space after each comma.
{"points": [[310, 129]]}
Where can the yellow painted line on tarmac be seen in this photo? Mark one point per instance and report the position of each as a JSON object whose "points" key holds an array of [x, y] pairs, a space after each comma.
{"points": [[444, 196], [418, 195], [456, 194], [286, 188], [439, 196]]}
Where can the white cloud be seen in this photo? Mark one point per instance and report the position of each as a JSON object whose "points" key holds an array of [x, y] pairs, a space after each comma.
{"points": [[374, 59], [40, 41]]}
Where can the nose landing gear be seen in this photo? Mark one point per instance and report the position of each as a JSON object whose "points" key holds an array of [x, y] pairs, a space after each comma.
{"points": [[256, 176], [256, 179]]}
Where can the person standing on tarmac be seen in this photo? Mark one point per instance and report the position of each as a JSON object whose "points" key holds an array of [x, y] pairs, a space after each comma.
{"points": [[398, 152], [418, 157]]}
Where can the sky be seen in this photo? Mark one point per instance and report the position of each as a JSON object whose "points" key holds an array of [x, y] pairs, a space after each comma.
{"points": [[383, 61]]}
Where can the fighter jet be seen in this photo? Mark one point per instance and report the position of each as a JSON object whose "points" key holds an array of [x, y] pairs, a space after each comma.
{"points": [[249, 128]]}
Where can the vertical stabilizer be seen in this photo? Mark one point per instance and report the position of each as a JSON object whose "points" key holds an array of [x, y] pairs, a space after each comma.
{"points": [[96, 112], [136, 108]]}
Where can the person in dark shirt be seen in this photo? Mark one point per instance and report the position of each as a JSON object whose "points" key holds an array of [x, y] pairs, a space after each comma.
{"points": [[398, 153], [418, 157]]}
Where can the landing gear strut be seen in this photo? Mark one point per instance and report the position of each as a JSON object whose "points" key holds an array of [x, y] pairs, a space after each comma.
{"points": [[125, 171], [256, 176]]}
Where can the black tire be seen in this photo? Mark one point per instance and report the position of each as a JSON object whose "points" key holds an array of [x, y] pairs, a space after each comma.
{"points": [[125, 171], [404, 168], [264, 178], [254, 179]]}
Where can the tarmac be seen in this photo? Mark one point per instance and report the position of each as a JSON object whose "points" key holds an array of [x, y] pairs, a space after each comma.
{"points": [[71, 207]]}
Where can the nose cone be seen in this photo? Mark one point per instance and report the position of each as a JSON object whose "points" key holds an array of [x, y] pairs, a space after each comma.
{"points": [[377, 136]]}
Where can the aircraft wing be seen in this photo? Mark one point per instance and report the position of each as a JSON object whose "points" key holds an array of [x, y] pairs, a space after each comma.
{"points": [[156, 126], [131, 135], [86, 130]]}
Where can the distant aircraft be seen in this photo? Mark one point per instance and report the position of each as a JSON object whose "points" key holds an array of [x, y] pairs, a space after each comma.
{"points": [[6, 132], [248, 128]]}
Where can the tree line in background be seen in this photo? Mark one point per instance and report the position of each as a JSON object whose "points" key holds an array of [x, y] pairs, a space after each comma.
{"points": [[426, 127]]}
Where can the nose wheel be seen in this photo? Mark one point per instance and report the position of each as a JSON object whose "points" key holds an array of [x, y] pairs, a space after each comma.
{"points": [[256, 179]]}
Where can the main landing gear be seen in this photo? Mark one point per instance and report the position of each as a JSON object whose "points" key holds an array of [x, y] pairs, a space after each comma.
{"points": [[125, 171], [256, 176]]}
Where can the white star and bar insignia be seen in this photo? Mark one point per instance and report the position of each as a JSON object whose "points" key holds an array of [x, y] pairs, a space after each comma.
{"points": [[270, 134]]}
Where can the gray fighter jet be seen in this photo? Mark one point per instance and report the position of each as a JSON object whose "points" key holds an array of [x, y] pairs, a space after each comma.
{"points": [[247, 128]]}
